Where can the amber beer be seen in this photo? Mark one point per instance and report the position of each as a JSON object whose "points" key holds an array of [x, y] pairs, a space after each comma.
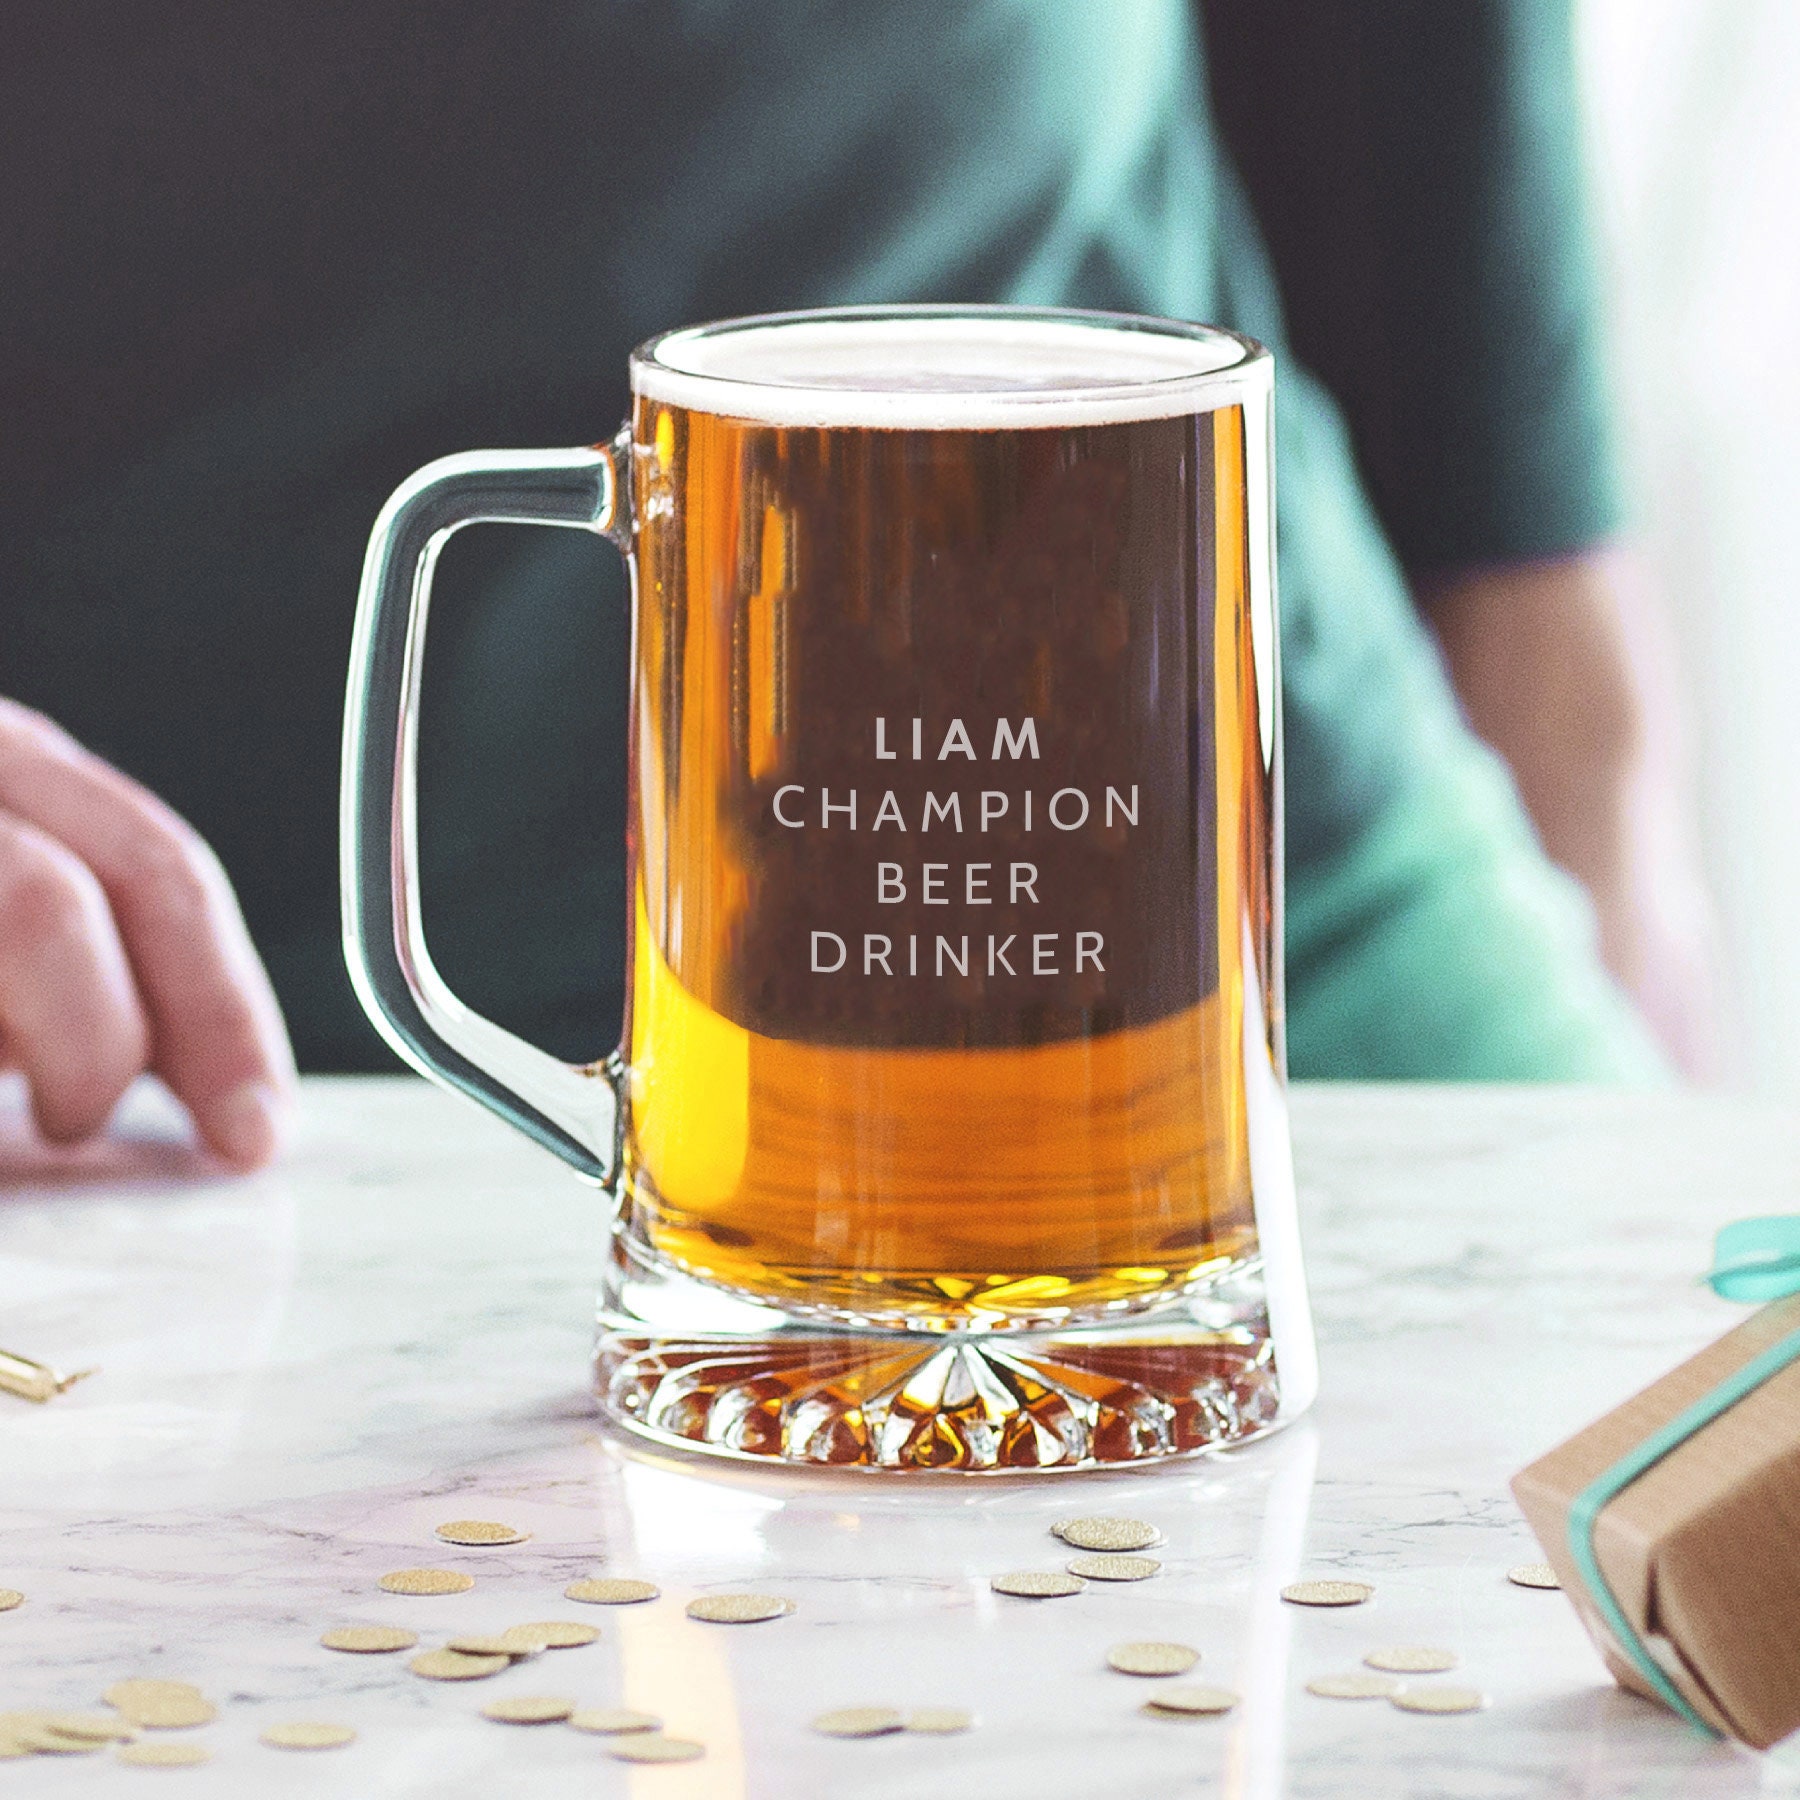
{"points": [[952, 862], [948, 1131]]}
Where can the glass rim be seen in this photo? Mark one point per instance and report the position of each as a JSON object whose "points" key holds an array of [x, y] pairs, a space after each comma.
{"points": [[1233, 367]]}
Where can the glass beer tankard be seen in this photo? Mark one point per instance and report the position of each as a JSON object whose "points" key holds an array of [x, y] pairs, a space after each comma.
{"points": [[949, 1128]]}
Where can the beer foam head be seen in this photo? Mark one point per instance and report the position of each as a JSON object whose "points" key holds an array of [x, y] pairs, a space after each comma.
{"points": [[918, 368]]}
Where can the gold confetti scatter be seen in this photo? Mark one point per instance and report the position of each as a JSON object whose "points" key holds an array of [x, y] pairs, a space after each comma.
{"points": [[1037, 1584], [101, 1727], [611, 1591], [480, 1531], [367, 1640], [738, 1609], [488, 1643], [858, 1722], [164, 1755], [452, 1665], [939, 1721], [426, 1581], [612, 1721], [1412, 1659], [549, 1634], [9, 1598], [528, 1709], [653, 1747], [1190, 1702], [1152, 1658], [1438, 1699], [161, 1705], [1533, 1575], [1354, 1686], [1114, 1568], [308, 1734], [1102, 1533], [1327, 1593]]}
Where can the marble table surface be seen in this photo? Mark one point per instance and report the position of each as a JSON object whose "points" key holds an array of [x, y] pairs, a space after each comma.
{"points": [[302, 1373]]}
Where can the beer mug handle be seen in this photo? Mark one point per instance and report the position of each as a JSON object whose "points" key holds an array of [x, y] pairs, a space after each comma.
{"points": [[569, 1108]]}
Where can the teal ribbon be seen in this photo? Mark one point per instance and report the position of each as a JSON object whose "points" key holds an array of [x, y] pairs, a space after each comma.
{"points": [[1757, 1259], [1753, 1259]]}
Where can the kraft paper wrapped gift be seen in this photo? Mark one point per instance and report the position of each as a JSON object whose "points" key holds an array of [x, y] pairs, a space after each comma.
{"points": [[1674, 1522]]}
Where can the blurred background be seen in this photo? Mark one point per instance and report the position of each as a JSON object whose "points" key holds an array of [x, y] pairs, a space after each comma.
{"points": [[1696, 153]]}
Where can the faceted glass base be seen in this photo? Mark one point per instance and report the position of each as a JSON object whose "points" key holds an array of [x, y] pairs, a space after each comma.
{"points": [[690, 1368]]}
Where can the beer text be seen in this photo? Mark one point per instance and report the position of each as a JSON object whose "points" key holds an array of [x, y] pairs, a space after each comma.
{"points": [[917, 880]]}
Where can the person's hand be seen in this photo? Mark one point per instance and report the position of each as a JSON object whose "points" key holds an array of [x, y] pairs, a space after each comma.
{"points": [[122, 952]]}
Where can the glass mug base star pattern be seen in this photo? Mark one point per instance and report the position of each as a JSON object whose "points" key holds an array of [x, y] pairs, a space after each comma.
{"points": [[949, 1126]]}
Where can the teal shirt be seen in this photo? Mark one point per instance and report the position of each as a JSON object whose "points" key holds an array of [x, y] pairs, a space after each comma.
{"points": [[269, 264]]}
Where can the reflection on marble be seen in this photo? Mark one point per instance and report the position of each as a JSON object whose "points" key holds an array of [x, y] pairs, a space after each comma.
{"points": [[303, 1373]]}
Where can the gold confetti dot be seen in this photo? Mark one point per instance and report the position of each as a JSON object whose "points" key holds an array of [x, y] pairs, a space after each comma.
{"points": [[1353, 1686], [1438, 1699], [53, 1743], [161, 1705], [738, 1609], [1037, 1584], [1412, 1659], [858, 1722], [308, 1734], [452, 1665], [480, 1531], [550, 1634], [144, 1688], [1533, 1575], [611, 1591], [12, 1723], [1114, 1568], [164, 1755], [489, 1643], [653, 1747], [939, 1721], [100, 1727], [1327, 1593], [368, 1640], [173, 1715], [1190, 1702], [612, 1721], [1152, 1659], [1103, 1533], [528, 1709], [426, 1581], [9, 1598]]}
